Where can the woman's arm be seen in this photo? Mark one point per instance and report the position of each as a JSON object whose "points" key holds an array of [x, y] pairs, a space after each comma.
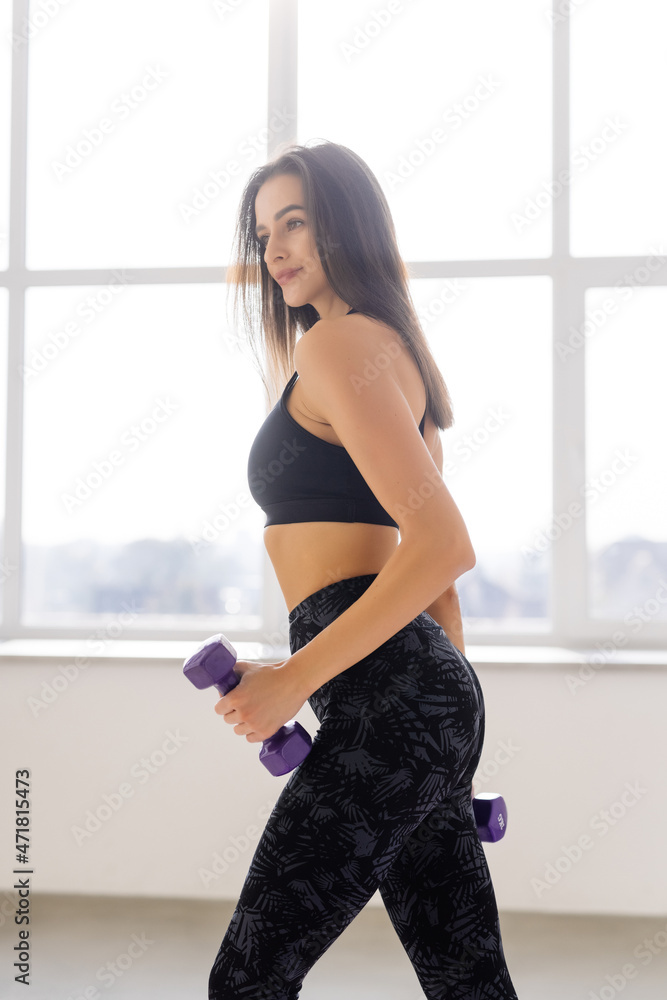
{"points": [[415, 577], [372, 418], [375, 424], [411, 580], [446, 611]]}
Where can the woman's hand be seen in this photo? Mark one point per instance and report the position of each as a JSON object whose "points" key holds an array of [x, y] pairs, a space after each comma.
{"points": [[265, 699]]}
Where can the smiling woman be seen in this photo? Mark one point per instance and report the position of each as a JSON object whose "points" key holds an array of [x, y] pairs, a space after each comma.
{"points": [[348, 458]]}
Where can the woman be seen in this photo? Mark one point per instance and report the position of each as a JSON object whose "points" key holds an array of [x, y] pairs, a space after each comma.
{"points": [[349, 457]]}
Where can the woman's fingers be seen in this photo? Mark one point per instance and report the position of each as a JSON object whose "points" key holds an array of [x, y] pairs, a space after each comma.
{"points": [[227, 711], [232, 717], [243, 729]]}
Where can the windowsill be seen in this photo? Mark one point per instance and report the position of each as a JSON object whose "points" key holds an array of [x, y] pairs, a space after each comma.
{"points": [[176, 651]]}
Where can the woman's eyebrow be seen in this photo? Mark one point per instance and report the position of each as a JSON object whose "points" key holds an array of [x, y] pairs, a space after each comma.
{"points": [[279, 214]]}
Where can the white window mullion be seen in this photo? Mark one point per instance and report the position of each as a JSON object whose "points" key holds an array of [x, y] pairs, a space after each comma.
{"points": [[16, 280], [569, 560], [282, 96], [568, 551]]}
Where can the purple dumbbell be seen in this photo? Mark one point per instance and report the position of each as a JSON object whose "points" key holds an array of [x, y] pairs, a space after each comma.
{"points": [[490, 815], [212, 665]]}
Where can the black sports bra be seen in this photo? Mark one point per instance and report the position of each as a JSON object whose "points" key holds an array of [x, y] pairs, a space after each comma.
{"points": [[295, 475]]}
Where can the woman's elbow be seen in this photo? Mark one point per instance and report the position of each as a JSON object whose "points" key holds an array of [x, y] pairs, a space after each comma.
{"points": [[461, 553], [456, 541], [453, 547], [455, 559], [461, 546], [471, 558], [441, 530]]}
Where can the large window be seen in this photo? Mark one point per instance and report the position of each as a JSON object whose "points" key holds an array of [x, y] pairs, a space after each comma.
{"points": [[521, 149]]}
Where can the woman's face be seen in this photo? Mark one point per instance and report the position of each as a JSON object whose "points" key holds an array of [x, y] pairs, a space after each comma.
{"points": [[284, 231]]}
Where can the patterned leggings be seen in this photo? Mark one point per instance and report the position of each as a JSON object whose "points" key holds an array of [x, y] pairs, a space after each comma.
{"points": [[383, 801]]}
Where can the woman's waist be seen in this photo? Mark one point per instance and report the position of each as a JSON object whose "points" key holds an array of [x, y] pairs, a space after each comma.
{"points": [[309, 555]]}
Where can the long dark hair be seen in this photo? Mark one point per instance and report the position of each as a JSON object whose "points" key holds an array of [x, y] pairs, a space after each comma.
{"points": [[355, 240]]}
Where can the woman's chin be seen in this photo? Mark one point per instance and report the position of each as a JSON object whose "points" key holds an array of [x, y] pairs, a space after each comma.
{"points": [[294, 301]]}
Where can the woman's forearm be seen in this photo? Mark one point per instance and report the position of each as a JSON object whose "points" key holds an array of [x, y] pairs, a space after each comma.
{"points": [[446, 611], [411, 580]]}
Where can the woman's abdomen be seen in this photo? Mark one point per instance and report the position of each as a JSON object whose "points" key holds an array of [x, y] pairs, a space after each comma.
{"points": [[309, 555]]}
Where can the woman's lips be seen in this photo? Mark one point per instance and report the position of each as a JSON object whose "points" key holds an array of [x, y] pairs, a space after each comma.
{"points": [[286, 277]]}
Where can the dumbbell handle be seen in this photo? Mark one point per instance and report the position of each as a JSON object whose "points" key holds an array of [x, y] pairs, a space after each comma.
{"points": [[212, 665]]}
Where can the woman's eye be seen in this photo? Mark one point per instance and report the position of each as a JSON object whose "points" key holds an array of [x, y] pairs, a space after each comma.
{"points": [[289, 223]]}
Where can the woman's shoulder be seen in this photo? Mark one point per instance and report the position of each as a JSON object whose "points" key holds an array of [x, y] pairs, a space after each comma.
{"points": [[339, 355], [348, 339]]}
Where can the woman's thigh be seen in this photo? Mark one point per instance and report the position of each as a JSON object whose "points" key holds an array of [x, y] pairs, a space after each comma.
{"points": [[440, 899]]}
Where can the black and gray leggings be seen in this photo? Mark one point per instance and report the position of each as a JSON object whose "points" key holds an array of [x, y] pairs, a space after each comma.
{"points": [[381, 802]]}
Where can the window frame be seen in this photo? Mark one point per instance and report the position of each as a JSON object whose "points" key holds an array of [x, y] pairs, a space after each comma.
{"points": [[571, 278]]}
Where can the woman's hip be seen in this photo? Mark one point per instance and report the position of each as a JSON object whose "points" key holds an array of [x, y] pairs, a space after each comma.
{"points": [[417, 672]]}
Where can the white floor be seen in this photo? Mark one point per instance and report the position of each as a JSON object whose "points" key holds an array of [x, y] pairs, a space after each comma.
{"points": [[173, 944]]}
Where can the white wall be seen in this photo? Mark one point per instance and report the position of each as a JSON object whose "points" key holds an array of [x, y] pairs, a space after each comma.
{"points": [[559, 758]]}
